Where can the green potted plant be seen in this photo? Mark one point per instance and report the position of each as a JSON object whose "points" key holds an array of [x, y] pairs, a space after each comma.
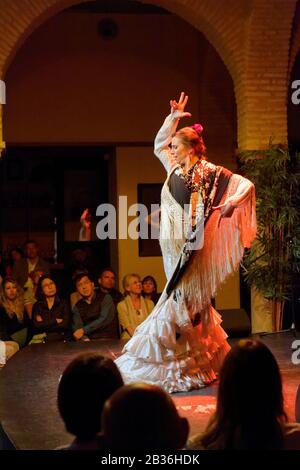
{"points": [[274, 258]]}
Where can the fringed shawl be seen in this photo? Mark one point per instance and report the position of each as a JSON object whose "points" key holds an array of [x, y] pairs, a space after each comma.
{"points": [[197, 274]]}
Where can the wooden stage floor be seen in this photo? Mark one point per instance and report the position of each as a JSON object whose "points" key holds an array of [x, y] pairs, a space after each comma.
{"points": [[28, 385]]}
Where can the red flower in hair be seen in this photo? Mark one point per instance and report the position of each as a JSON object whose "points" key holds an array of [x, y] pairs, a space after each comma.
{"points": [[198, 128]]}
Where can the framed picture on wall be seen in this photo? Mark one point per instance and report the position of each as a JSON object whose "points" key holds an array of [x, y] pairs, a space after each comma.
{"points": [[149, 195]]}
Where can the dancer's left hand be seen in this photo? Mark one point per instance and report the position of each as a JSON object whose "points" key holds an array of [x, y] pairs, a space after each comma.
{"points": [[226, 210]]}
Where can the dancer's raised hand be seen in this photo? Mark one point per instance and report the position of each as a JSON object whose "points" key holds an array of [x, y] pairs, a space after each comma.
{"points": [[177, 107]]}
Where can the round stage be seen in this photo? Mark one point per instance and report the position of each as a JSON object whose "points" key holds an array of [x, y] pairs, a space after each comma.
{"points": [[28, 384]]}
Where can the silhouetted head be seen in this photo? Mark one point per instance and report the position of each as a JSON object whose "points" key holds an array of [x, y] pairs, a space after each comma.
{"points": [[143, 417], [250, 402], [87, 382]]}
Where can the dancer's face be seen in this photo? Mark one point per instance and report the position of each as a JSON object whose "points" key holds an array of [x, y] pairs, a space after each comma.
{"points": [[179, 151]]}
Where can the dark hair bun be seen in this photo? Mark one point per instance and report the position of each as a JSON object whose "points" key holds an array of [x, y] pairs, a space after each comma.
{"points": [[198, 128]]}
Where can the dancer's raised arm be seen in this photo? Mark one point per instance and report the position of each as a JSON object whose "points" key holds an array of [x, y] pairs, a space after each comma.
{"points": [[166, 132]]}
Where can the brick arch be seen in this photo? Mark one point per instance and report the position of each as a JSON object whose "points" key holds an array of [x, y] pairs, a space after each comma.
{"points": [[251, 37], [19, 19], [222, 27]]}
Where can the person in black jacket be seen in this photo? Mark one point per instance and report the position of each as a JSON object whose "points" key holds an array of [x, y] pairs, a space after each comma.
{"points": [[94, 315], [51, 314]]}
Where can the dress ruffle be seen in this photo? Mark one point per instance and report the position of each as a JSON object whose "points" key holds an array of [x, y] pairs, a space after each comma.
{"points": [[176, 357]]}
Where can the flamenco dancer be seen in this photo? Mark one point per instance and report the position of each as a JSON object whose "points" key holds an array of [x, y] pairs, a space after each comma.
{"points": [[207, 219]]}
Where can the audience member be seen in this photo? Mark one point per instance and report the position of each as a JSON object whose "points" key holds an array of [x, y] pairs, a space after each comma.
{"points": [[51, 314], [93, 316], [14, 321], [107, 283], [142, 417], [134, 309], [28, 270], [81, 259], [3, 272], [15, 255], [87, 382], [75, 296], [149, 286], [250, 413]]}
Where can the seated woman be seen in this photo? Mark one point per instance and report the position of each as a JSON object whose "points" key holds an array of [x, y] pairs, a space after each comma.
{"points": [[250, 414], [149, 286], [134, 309], [14, 323], [51, 316]]}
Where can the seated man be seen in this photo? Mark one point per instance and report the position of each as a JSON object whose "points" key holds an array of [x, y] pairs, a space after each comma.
{"points": [[27, 272], [107, 282], [93, 316]]}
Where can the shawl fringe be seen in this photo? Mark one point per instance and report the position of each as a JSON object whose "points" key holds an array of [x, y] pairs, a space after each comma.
{"points": [[224, 242]]}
